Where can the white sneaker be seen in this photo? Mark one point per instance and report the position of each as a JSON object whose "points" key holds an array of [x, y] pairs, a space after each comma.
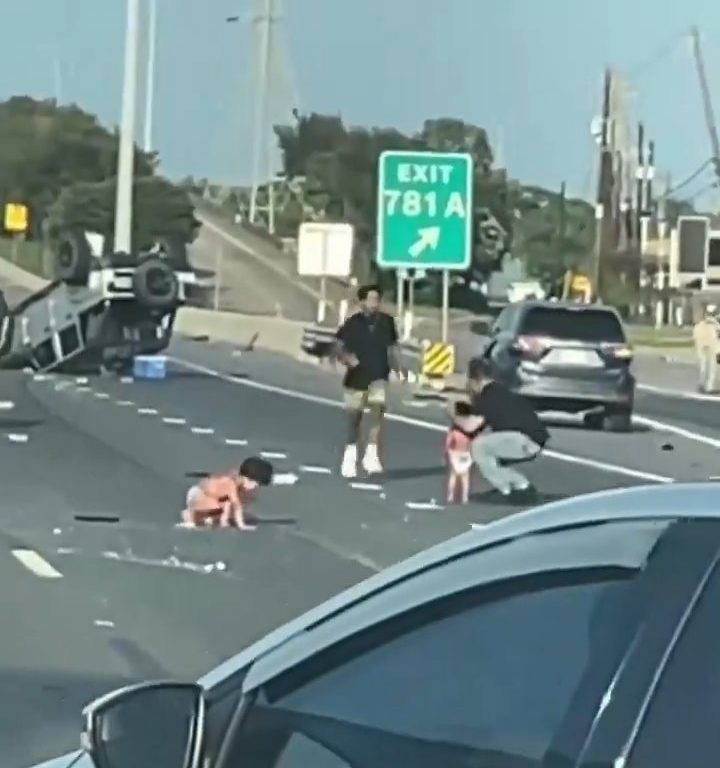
{"points": [[349, 463], [371, 460]]}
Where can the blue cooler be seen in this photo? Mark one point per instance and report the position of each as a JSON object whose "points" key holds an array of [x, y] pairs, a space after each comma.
{"points": [[150, 367]]}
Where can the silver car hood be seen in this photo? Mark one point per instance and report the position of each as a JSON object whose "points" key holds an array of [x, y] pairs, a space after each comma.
{"points": [[77, 759]]}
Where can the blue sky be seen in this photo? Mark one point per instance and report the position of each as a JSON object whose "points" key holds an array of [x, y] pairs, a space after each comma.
{"points": [[528, 71]]}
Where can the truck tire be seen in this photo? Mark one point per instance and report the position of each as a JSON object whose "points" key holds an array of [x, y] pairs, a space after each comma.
{"points": [[155, 284], [7, 327], [73, 259], [175, 253]]}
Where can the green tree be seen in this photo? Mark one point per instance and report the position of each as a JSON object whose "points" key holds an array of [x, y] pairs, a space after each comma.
{"points": [[163, 211], [59, 161]]}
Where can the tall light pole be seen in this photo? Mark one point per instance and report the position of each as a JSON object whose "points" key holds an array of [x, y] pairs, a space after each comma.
{"points": [[126, 153], [150, 84], [260, 139]]}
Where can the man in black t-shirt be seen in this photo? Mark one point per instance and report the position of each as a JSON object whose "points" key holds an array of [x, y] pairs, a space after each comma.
{"points": [[511, 431], [367, 345]]}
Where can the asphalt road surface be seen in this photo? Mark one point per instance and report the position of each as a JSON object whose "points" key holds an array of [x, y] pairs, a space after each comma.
{"points": [[97, 586]]}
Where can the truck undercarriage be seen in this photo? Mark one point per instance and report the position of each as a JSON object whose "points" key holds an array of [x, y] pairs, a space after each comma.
{"points": [[98, 314]]}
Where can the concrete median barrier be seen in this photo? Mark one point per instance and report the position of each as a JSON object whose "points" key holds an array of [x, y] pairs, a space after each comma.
{"points": [[273, 333]]}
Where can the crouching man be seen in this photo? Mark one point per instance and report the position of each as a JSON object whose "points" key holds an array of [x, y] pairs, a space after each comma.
{"points": [[511, 431]]}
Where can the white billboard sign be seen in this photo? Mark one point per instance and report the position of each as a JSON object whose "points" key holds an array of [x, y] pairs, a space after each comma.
{"points": [[325, 249]]}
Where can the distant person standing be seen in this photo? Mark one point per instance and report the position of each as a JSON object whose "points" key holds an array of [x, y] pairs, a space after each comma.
{"points": [[367, 346], [707, 345], [511, 431]]}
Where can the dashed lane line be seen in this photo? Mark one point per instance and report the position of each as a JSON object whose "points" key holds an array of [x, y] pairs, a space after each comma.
{"points": [[36, 564]]}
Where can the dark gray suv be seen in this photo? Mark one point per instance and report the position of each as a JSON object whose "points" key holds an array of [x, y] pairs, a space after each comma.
{"points": [[565, 357]]}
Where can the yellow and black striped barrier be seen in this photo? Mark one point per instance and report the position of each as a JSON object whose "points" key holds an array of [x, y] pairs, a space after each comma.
{"points": [[438, 360]]}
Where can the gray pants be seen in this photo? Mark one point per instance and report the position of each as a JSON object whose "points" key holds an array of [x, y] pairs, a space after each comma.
{"points": [[488, 450], [707, 367]]}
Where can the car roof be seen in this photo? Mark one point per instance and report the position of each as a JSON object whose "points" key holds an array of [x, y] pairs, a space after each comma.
{"points": [[646, 502], [566, 304]]}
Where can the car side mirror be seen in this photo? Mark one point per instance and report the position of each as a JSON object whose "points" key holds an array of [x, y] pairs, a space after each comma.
{"points": [[150, 725]]}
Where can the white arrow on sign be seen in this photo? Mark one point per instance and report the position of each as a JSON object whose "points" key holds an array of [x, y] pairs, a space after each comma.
{"points": [[428, 237]]}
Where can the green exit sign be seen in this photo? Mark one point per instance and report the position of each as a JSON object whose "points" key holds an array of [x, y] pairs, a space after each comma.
{"points": [[425, 215]]}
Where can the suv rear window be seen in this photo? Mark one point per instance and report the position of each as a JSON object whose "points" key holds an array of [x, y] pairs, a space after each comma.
{"points": [[580, 324]]}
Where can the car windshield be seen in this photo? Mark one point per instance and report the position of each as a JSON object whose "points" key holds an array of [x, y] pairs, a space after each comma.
{"points": [[576, 324]]}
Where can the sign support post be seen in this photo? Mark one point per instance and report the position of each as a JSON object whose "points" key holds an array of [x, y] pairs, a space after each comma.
{"points": [[445, 311], [322, 302], [400, 298]]}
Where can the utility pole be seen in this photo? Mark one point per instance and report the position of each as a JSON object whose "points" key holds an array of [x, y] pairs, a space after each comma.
{"points": [[150, 84], [126, 153], [561, 225], [605, 185], [710, 123], [261, 151]]}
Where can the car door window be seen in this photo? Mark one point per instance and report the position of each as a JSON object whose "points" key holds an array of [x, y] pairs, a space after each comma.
{"points": [[503, 322], [487, 677], [681, 725]]}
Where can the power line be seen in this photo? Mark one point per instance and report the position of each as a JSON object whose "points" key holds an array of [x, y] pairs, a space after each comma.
{"points": [[690, 178], [663, 51]]}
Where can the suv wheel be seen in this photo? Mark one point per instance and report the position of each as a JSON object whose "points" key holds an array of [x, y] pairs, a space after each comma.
{"points": [[620, 421], [594, 420]]}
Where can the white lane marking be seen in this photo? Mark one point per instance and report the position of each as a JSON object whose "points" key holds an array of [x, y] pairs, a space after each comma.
{"points": [[313, 470], [397, 417], [235, 441], [124, 403], [61, 385], [288, 478], [36, 564], [40, 377], [681, 393], [104, 623], [423, 505], [147, 411], [83, 389], [366, 486], [127, 380], [81, 380], [688, 434], [17, 437], [174, 420], [6, 405], [477, 526], [102, 396], [273, 455], [202, 430]]}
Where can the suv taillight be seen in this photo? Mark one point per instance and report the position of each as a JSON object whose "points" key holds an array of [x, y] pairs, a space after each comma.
{"points": [[530, 346], [618, 351]]}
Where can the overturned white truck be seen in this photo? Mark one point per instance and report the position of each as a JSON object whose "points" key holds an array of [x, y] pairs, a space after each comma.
{"points": [[98, 313]]}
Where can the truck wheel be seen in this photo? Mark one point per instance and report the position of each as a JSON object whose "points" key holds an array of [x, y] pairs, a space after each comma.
{"points": [[175, 253], [7, 327], [73, 259], [155, 284]]}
